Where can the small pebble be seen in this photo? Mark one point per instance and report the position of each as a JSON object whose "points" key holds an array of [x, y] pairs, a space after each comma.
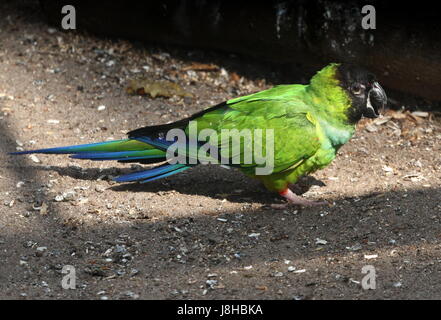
{"points": [[100, 189], [20, 184], [300, 271], [69, 195], [211, 283], [34, 158], [320, 241], [355, 247]]}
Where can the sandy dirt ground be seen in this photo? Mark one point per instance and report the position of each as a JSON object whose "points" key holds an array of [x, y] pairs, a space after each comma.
{"points": [[207, 233]]}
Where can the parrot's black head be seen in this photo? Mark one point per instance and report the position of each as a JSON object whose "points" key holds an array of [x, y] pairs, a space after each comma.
{"points": [[366, 94]]}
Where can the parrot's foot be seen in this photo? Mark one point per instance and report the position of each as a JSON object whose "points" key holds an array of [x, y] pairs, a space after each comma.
{"points": [[294, 199]]}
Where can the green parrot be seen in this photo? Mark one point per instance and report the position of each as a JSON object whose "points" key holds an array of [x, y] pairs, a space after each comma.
{"points": [[297, 130]]}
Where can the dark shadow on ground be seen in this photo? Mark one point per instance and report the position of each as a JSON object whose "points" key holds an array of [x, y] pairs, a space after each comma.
{"points": [[211, 181], [189, 248]]}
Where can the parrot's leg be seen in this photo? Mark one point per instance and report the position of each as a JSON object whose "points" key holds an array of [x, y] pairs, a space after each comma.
{"points": [[294, 199]]}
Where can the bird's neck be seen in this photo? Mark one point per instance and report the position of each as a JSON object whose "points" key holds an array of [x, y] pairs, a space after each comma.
{"points": [[332, 102], [328, 97], [332, 107]]}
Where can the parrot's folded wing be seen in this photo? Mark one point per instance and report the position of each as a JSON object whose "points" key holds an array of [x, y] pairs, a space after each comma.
{"points": [[289, 132]]}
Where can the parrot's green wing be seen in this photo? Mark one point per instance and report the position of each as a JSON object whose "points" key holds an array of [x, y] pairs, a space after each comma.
{"points": [[280, 109]]}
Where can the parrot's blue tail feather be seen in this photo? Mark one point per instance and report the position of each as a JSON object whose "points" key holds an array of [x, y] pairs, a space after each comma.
{"points": [[62, 150], [170, 173], [143, 150], [121, 150], [106, 146], [153, 174], [120, 155]]}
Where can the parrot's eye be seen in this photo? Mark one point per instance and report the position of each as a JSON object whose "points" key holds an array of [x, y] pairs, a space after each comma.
{"points": [[357, 89]]}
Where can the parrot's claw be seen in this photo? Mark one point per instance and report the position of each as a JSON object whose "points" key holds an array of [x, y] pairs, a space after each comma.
{"points": [[294, 199]]}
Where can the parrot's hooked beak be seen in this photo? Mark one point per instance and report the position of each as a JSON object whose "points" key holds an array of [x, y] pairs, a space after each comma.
{"points": [[376, 100]]}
